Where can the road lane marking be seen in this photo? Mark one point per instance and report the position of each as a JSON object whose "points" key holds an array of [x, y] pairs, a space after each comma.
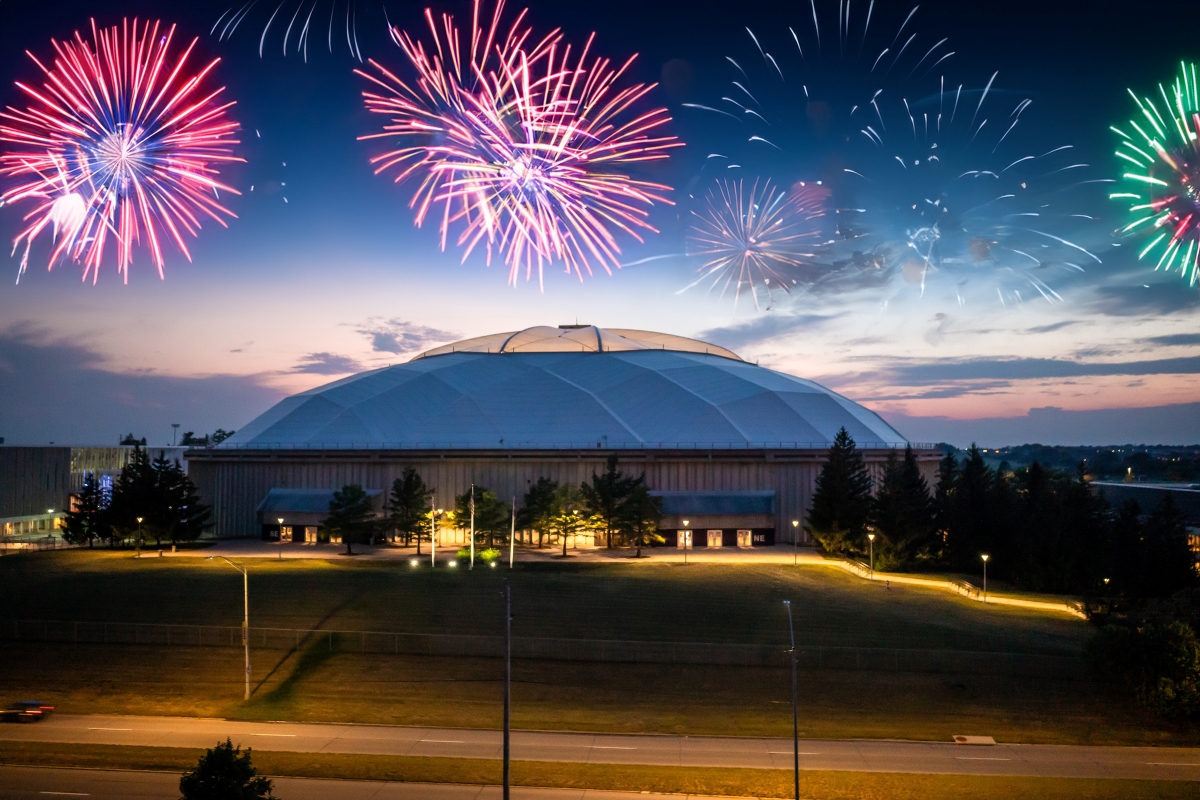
{"points": [[441, 741], [110, 729], [67, 794], [610, 747], [1170, 764], [979, 758], [789, 752], [277, 735]]}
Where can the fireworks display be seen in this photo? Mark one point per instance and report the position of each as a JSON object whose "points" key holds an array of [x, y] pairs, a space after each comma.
{"points": [[301, 23], [519, 144], [1160, 149], [756, 240], [123, 141], [952, 190]]}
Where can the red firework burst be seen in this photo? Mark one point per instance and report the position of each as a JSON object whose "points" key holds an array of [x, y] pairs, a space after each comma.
{"points": [[121, 140], [523, 145]]}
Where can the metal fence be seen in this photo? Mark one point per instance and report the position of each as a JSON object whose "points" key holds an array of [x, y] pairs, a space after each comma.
{"points": [[551, 649]]}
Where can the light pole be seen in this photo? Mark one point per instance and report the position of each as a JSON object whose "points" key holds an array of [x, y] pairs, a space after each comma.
{"points": [[472, 527], [512, 536], [174, 431], [795, 714], [280, 538], [507, 679], [871, 542], [795, 542], [433, 535], [985, 558], [245, 616], [139, 553], [687, 539]]}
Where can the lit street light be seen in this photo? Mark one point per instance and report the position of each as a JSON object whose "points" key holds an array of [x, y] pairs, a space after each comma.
{"points": [[245, 615], [472, 527], [280, 538], [871, 542], [985, 558], [687, 539], [139, 553], [795, 714], [795, 542]]}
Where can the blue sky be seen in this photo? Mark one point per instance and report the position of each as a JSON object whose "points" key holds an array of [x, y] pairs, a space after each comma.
{"points": [[337, 279]]}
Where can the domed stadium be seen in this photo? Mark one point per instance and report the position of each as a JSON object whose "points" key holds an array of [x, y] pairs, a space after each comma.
{"points": [[725, 441]]}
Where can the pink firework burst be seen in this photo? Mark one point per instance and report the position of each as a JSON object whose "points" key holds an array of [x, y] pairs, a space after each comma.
{"points": [[122, 140], [519, 144]]}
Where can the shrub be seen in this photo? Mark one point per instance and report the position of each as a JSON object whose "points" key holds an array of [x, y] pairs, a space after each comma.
{"points": [[225, 773], [1159, 661]]}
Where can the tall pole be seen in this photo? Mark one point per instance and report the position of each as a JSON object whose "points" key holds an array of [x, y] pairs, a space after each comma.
{"points": [[433, 533], [472, 527], [985, 560], [795, 542], [512, 536], [507, 680], [795, 712], [871, 539], [246, 626]]}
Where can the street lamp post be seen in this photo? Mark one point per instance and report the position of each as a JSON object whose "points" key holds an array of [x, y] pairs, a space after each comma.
{"points": [[245, 616], [507, 680], [795, 701], [280, 538], [985, 558], [472, 566], [139, 552], [795, 542], [871, 542], [512, 536], [174, 431], [433, 534], [687, 539]]}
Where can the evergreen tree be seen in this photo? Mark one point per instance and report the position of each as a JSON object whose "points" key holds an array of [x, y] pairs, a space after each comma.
{"points": [[86, 521], [969, 528], [903, 513], [569, 516], [351, 516], [538, 507], [134, 495], [491, 515], [188, 516], [408, 507], [841, 504], [606, 494], [225, 773], [639, 518], [1168, 562]]}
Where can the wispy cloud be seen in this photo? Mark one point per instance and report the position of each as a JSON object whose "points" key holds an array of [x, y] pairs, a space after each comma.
{"points": [[326, 364], [924, 372], [1174, 339], [398, 336], [766, 328]]}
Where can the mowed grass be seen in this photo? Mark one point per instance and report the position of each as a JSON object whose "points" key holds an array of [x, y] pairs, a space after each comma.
{"points": [[721, 603], [705, 603], [818, 785]]}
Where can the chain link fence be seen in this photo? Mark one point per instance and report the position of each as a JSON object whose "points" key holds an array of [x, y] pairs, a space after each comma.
{"points": [[550, 649]]}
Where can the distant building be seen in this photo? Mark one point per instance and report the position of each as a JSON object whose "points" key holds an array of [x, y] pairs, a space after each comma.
{"points": [[1186, 497], [37, 483], [731, 447]]}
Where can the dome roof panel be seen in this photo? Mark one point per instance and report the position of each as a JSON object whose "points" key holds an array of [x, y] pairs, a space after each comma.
{"points": [[567, 388]]}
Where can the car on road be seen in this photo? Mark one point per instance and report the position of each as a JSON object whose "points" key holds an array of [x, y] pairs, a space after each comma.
{"points": [[27, 711]]}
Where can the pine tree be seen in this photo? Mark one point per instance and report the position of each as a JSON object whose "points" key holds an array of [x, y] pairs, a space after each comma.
{"points": [[1169, 562], [351, 516], [902, 513], [606, 494], [85, 522], [225, 773], [639, 518], [491, 514], [841, 504], [408, 507], [538, 507]]}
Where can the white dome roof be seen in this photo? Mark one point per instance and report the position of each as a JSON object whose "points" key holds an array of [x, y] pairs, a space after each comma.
{"points": [[567, 388]]}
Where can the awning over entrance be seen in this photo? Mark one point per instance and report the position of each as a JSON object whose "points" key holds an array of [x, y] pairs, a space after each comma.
{"points": [[302, 506]]}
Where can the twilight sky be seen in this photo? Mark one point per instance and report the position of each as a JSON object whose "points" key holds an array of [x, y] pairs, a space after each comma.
{"points": [[323, 273]]}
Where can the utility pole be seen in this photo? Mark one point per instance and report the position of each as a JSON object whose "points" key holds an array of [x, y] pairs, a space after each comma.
{"points": [[433, 532], [245, 615], [795, 713], [472, 526], [512, 536], [507, 681]]}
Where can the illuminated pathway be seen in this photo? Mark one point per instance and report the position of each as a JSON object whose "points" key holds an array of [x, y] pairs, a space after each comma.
{"points": [[852, 755]]}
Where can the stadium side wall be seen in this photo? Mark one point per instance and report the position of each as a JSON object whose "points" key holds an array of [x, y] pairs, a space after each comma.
{"points": [[235, 482]]}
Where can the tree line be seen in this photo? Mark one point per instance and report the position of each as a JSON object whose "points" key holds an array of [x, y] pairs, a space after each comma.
{"points": [[1044, 530], [158, 492], [613, 506]]}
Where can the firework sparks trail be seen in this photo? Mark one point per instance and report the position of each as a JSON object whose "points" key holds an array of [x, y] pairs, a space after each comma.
{"points": [[520, 144], [1162, 181], [123, 140], [756, 239], [298, 20], [954, 199]]}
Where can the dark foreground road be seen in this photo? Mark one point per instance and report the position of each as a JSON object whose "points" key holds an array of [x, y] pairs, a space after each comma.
{"points": [[854, 755]]}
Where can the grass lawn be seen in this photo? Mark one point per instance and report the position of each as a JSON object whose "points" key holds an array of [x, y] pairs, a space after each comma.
{"points": [[820, 785], [730, 603]]}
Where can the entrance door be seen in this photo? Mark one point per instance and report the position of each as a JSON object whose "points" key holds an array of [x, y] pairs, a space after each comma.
{"points": [[744, 539], [714, 538], [285, 533], [684, 540]]}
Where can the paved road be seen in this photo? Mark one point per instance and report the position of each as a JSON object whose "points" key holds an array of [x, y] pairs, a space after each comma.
{"points": [[852, 755], [44, 783]]}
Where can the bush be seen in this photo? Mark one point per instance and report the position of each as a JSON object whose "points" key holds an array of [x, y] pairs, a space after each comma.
{"points": [[225, 773], [1159, 661], [489, 555]]}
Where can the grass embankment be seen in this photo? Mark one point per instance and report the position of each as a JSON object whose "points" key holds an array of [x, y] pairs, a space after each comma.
{"points": [[817, 784], [729, 603]]}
